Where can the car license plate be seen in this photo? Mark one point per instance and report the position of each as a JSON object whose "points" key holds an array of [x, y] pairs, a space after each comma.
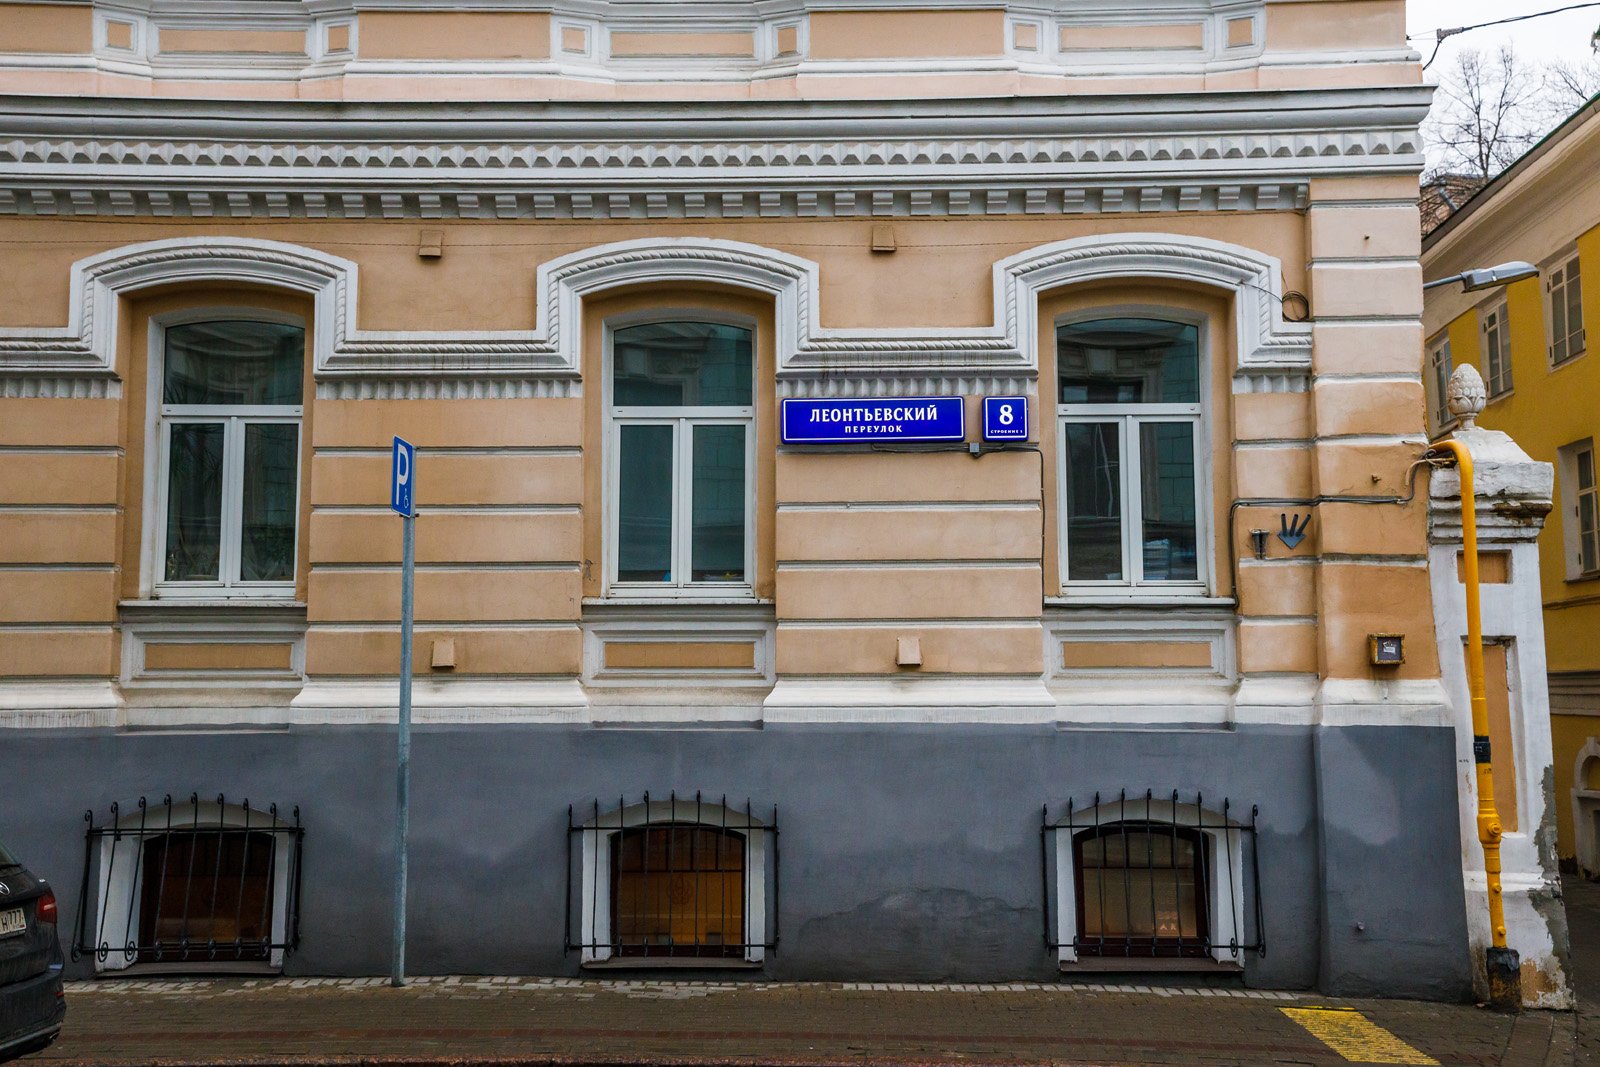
{"points": [[12, 922]]}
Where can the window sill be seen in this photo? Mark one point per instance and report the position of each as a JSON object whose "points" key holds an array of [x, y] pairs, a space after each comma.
{"points": [[157, 608], [1147, 965], [1579, 579], [1142, 600], [624, 601], [673, 963]]}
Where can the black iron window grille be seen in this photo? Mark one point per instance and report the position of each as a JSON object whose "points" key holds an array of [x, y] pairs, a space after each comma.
{"points": [[1152, 877], [195, 882], [678, 878]]}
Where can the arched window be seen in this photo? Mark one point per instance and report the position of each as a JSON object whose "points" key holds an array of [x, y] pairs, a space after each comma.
{"points": [[1154, 877], [680, 879], [678, 890], [191, 882], [228, 467], [1132, 484], [1142, 890], [681, 410], [202, 891]]}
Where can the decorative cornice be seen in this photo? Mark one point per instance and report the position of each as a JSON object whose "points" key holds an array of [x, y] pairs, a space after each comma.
{"points": [[1035, 155], [349, 361], [930, 197]]}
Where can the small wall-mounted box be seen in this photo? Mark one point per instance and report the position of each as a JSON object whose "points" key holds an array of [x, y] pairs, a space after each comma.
{"points": [[444, 654], [1386, 650], [908, 652]]}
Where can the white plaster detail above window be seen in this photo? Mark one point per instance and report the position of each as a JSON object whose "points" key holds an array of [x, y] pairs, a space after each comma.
{"points": [[736, 627], [147, 625], [1267, 344]]}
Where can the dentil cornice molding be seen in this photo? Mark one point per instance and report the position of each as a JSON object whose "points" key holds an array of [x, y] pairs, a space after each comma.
{"points": [[1197, 152]]}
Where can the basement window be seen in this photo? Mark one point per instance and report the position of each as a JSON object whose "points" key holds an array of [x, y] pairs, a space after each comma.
{"points": [[675, 882], [1152, 878]]}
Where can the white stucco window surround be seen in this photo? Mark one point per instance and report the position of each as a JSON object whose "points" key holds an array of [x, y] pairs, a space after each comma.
{"points": [[1179, 878], [689, 881], [193, 884]]}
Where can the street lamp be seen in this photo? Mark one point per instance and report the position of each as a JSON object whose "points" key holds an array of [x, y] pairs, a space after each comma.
{"points": [[1501, 963], [1488, 277]]}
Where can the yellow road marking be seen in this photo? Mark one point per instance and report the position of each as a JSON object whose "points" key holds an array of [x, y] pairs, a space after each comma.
{"points": [[1355, 1037]]}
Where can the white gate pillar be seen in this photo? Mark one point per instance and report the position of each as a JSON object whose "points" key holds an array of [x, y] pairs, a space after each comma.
{"points": [[1513, 496]]}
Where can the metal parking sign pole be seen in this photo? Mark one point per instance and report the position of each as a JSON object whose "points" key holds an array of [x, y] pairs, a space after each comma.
{"points": [[402, 498]]}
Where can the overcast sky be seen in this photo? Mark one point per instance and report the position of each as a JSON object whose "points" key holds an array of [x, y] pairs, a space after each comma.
{"points": [[1563, 36]]}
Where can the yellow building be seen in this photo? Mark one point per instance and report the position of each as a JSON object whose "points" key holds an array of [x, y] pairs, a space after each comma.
{"points": [[1529, 341]]}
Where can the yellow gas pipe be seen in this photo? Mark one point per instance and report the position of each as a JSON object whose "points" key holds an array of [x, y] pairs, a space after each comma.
{"points": [[1489, 828]]}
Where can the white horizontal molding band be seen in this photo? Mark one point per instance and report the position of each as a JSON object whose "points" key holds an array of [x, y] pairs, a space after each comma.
{"points": [[1212, 151], [552, 350]]}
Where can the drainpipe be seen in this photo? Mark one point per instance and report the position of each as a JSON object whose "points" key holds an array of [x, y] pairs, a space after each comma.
{"points": [[1502, 964]]}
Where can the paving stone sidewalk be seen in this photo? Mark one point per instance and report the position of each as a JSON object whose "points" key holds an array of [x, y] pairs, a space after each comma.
{"points": [[505, 1021]]}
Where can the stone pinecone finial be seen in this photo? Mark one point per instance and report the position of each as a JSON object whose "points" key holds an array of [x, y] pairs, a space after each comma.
{"points": [[1466, 395]]}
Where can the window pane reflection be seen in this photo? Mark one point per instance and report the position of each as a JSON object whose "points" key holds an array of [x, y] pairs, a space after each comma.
{"points": [[681, 364], [644, 504], [1167, 471], [194, 502], [255, 363], [718, 504], [1129, 361], [1094, 501], [271, 463]]}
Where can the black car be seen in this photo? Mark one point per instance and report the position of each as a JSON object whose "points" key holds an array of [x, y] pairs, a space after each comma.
{"points": [[32, 1002]]}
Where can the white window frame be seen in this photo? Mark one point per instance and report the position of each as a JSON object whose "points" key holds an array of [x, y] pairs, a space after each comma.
{"points": [[1573, 494], [120, 884], [1494, 331], [1441, 365], [1564, 349], [1225, 861], [683, 420], [595, 879], [1129, 417], [161, 417]]}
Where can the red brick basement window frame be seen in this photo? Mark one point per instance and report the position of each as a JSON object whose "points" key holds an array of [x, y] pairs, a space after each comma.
{"points": [[196, 885], [684, 881]]}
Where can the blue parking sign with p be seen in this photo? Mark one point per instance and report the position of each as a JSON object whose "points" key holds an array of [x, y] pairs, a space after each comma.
{"points": [[1005, 418], [402, 487]]}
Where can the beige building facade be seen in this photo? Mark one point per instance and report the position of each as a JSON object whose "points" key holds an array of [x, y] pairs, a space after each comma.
{"points": [[592, 258]]}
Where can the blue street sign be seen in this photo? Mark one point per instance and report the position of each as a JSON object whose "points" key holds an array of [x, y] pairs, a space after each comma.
{"points": [[1005, 418], [916, 418], [403, 479]]}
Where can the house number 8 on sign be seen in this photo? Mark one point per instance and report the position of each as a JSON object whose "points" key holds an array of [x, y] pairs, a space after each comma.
{"points": [[1005, 418]]}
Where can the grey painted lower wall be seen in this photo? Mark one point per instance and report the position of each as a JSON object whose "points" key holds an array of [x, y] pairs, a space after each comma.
{"points": [[908, 853]]}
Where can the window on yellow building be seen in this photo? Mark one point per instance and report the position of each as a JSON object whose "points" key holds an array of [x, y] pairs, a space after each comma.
{"points": [[1440, 366], [1563, 288], [1496, 350], [1580, 500], [228, 434]]}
